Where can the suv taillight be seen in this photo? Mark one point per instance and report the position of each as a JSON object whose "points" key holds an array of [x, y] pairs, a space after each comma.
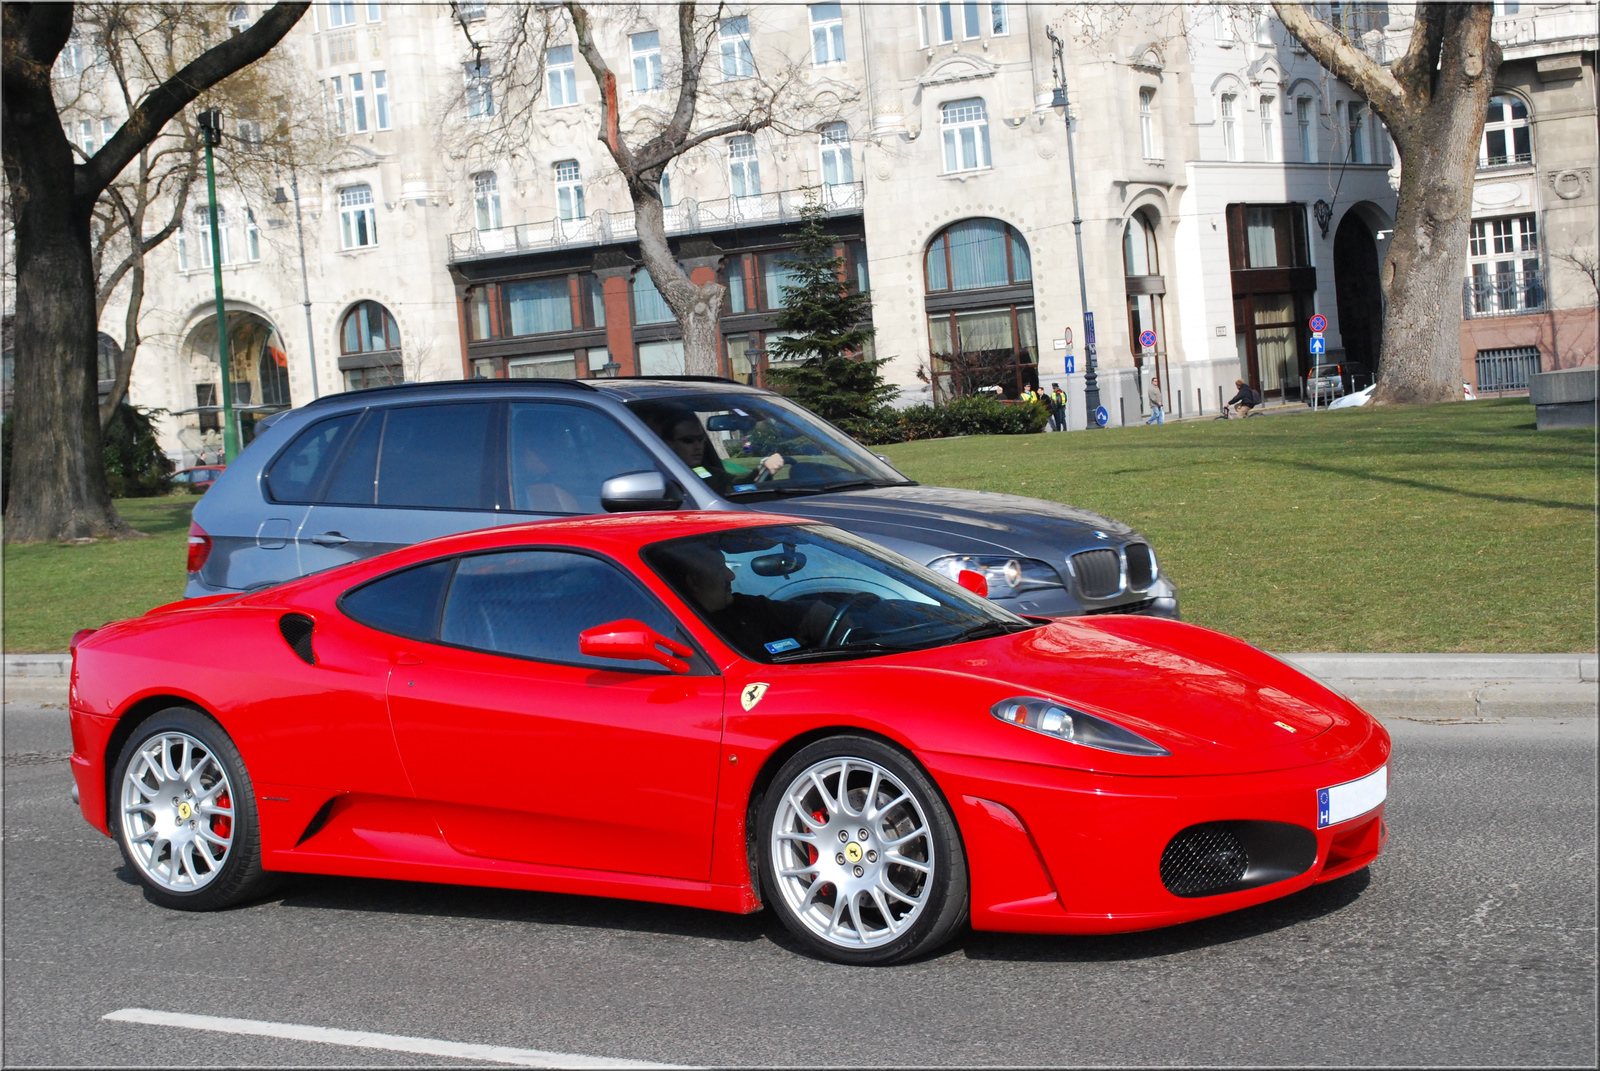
{"points": [[199, 547]]}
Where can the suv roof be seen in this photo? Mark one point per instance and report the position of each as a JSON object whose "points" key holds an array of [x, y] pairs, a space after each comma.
{"points": [[628, 386]]}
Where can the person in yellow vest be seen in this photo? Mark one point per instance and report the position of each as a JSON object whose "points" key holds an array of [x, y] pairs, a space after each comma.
{"points": [[1058, 407]]}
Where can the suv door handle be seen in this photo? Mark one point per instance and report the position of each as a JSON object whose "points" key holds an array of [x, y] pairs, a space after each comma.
{"points": [[329, 539]]}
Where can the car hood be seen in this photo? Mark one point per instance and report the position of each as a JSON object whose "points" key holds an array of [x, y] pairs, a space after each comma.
{"points": [[1217, 704], [949, 520]]}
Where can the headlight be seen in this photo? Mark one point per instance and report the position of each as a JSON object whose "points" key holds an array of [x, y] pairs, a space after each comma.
{"points": [[1007, 577], [1052, 719]]}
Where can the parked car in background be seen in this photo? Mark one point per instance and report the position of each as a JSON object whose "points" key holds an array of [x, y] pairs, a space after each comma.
{"points": [[198, 479], [1327, 382], [360, 473]]}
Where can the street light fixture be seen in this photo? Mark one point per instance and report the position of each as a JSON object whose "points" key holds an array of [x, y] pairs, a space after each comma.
{"points": [[1091, 379], [211, 136]]}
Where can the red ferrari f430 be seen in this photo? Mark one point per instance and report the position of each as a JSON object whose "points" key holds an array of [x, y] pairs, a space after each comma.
{"points": [[721, 711]]}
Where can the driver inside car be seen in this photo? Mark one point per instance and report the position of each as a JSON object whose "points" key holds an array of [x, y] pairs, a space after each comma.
{"points": [[704, 576], [680, 429]]}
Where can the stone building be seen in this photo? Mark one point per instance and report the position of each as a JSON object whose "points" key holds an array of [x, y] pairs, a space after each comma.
{"points": [[1229, 188]]}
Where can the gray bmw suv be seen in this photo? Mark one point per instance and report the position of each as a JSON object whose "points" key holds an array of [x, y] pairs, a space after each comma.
{"points": [[360, 473]]}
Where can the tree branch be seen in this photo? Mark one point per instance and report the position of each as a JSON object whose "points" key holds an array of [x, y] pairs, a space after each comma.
{"points": [[1349, 63]]}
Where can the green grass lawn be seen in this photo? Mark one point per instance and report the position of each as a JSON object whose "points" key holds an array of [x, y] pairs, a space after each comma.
{"points": [[1448, 528], [1445, 528]]}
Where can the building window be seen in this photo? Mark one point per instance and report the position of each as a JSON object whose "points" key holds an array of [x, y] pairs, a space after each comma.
{"points": [[966, 135], [374, 12], [238, 18], [975, 254], [252, 236], [358, 97], [1139, 255], [1147, 124], [340, 122], [380, 98], [480, 90], [837, 167], [368, 328], [649, 307], [537, 306], [827, 34], [1267, 236], [666, 189], [1302, 118], [999, 19], [1227, 35], [1269, 129], [358, 218], [486, 200], [1503, 258], [646, 49], [1230, 133], [203, 217], [341, 13], [478, 326], [86, 137], [744, 170], [1141, 267], [569, 190], [1358, 141], [971, 20], [561, 76], [737, 59], [1507, 138], [183, 248], [471, 10], [249, 132], [946, 25]]}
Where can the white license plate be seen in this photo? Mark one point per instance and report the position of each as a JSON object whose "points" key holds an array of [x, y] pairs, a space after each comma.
{"points": [[1352, 799]]}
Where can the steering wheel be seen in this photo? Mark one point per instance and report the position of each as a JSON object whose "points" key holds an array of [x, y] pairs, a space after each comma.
{"points": [[838, 617], [763, 474]]}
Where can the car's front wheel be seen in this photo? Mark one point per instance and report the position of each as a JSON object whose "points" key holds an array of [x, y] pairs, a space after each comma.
{"points": [[184, 813], [862, 859]]}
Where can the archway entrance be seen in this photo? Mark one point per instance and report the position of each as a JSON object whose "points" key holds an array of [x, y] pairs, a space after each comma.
{"points": [[259, 367], [1359, 298]]}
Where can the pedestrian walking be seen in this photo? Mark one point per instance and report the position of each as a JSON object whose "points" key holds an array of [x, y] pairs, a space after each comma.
{"points": [[1156, 400], [1058, 407]]}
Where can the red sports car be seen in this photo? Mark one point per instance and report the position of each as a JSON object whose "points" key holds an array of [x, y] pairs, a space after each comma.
{"points": [[718, 710]]}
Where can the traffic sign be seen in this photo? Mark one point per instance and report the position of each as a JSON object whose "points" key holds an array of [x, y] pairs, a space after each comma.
{"points": [[1101, 417], [1319, 323], [1067, 338], [1147, 339], [1319, 345], [1072, 366], [1088, 329]]}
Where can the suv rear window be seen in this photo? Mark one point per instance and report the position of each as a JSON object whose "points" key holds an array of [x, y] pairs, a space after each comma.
{"points": [[299, 472]]}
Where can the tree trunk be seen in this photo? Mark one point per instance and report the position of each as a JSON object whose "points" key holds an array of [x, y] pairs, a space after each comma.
{"points": [[698, 308], [130, 343]]}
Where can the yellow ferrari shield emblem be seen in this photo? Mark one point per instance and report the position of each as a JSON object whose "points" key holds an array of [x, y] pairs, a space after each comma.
{"points": [[752, 694], [184, 811], [853, 852]]}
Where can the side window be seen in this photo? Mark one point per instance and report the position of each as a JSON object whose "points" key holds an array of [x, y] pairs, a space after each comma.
{"points": [[354, 482], [437, 456], [298, 473], [533, 604], [561, 454], [404, 603]]}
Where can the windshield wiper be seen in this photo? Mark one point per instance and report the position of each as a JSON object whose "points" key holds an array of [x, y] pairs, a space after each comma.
{"points": [[983, 631], [866, 648]]}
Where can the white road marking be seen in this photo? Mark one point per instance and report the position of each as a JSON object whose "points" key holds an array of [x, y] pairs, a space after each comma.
{"points": [[361, 1039]]}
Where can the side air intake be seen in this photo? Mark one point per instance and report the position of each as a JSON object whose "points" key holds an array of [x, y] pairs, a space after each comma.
{"points": [[296, 630]]}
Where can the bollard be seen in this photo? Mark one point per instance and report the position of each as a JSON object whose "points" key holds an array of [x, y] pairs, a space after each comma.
{"points": [[1220, 402], [1122, 411], [1180, 405], [1199, 402]]}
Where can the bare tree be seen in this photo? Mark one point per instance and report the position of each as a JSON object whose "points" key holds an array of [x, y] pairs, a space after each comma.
{"points": [[59, 488], [1434, 100], [1583, 259]]}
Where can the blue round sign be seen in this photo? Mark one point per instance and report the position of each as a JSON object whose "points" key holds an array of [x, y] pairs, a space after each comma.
{"points": [[1101, 417], [1319, 323], [1147, 338]]}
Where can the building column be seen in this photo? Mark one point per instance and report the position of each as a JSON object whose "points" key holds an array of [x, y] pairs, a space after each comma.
{"points": [[619, 317]]}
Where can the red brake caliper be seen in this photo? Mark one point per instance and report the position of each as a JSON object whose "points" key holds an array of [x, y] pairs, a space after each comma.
{"points": [[811, 849], [221, 824]]}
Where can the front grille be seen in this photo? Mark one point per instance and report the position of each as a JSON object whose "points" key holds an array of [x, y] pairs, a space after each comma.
{"points": [[1099, 573], [1141, 566], [1203, 860], [1140, 607]]}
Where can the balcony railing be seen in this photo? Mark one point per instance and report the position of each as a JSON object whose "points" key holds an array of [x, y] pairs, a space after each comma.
{"points": [[1507, 293], [1502, 163], [688, 216]]}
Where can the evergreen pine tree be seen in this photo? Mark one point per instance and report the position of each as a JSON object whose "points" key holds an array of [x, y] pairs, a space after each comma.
{"points": [[825, 314]]}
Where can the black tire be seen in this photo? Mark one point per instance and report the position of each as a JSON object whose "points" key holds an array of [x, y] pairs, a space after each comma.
{"points": [[238, 875], [943, 909]]}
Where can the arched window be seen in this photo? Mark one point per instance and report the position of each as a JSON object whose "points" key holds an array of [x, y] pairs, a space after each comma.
{"points": [[369, 347], [1507, 139], [1141, 268], [981, 333], [1139, 256], [486, 200]]}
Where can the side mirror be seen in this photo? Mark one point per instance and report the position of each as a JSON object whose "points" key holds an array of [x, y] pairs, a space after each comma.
{"points": [[639, 491], [974, 582], [636, 641]]}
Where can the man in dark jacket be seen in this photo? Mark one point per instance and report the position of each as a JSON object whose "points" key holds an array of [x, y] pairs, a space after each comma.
{"points": [[1247, 399]]}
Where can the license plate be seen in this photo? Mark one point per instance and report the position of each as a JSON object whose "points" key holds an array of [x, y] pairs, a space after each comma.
{"points": [[1352, 799]]}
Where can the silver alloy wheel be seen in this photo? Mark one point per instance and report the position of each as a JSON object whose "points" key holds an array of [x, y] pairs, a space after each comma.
{"points": [[177, 811], [852, 853]]}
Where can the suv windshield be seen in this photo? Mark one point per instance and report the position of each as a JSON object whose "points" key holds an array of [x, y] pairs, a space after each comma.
{"points": [[749, 445], [806, 593]]}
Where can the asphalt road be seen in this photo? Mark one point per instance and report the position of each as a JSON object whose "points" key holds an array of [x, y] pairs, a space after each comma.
{"points": [[1471, 941]]}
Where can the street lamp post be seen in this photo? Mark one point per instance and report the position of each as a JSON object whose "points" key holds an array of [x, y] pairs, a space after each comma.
{"points": [[211, 135], [1091, 379]]}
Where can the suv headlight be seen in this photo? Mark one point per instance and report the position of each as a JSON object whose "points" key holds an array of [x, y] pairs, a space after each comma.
{"points": [[1007, 577], [1064, 723]]}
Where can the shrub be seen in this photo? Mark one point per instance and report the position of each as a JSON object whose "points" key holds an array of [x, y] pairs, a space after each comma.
{"points": [[136, 467], [979, 415]]}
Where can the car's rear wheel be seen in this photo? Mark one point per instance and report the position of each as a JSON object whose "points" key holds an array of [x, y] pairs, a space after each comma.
{"points": [[862, 859], [184, 813]]}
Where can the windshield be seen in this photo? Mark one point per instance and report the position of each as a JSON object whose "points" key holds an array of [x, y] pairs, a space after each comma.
{"points": [[803, 593], [750, 445]]}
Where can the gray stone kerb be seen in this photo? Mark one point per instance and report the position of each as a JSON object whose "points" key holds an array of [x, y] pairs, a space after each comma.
{"points": [[1366, 667]]}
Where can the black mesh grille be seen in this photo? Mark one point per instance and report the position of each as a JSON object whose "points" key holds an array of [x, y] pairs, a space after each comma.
{"points": [[1099, 573], [1141, 566], [1203, 860], [1139, 607], [297, 629]]}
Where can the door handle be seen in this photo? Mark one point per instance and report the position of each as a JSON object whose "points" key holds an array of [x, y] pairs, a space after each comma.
{"points": [[406, 659], [330, 539]]}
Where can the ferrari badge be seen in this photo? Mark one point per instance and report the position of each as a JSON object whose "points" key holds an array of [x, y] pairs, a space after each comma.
{"points": [[752, 694]]}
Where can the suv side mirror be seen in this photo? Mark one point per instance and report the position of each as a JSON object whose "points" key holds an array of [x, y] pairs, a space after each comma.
{"points": [[633, 640], [639, 491]]}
